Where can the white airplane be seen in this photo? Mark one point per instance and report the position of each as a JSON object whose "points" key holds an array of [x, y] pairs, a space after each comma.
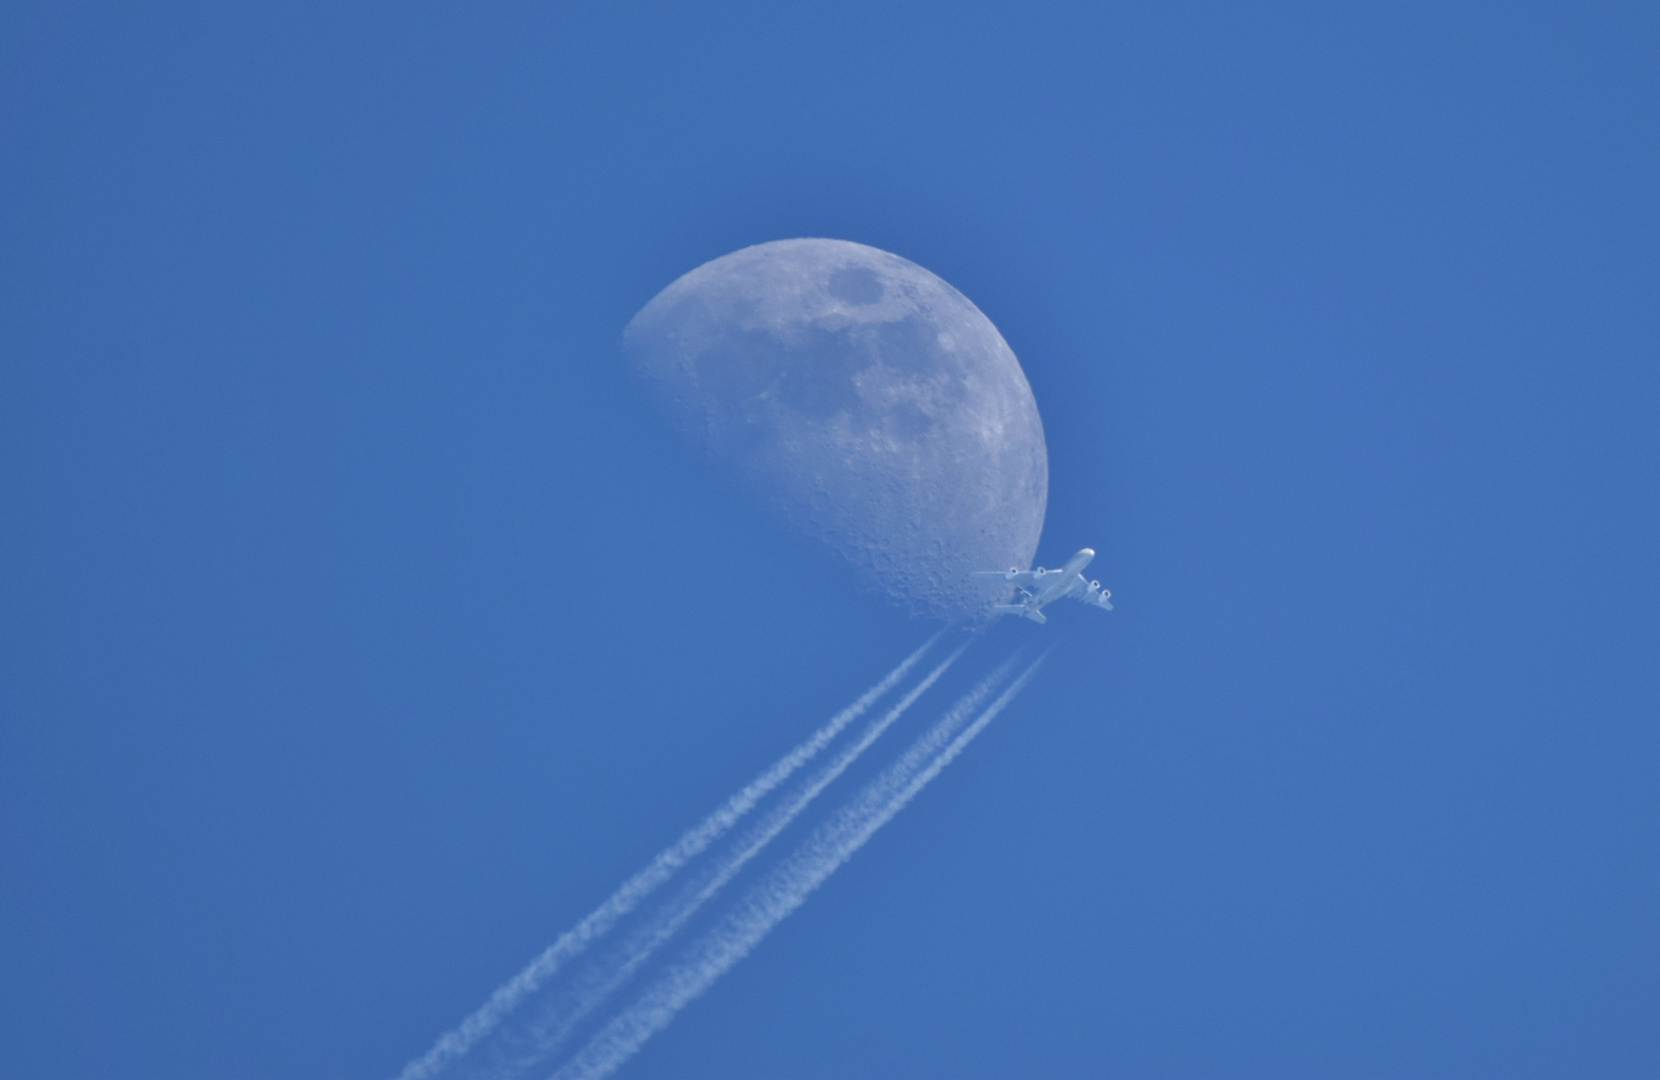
{"points": [[1038, 587]]}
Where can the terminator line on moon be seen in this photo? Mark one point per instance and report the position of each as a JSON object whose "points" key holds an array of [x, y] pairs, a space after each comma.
{"points": [[865, 402]]}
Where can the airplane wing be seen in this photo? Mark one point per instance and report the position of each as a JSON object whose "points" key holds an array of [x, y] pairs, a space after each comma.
{"points": [[1090, 592]]}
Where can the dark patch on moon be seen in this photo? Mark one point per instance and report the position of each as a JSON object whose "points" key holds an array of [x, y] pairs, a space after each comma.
{"points": [[856, 285]]}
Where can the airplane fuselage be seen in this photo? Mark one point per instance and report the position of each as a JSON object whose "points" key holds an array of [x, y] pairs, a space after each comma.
{"points": [[1039, 587], [1053, 584]]}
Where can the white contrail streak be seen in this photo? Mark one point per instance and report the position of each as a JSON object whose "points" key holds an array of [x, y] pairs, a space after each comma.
{"points": [[785, 889], [555, 1026], [453, 1044]]}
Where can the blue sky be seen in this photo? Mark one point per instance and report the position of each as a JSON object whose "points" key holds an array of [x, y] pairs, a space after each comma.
{"points": [[360, 630]]}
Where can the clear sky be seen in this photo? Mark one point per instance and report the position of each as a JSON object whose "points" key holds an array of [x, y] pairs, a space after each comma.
{"points": [[360, 630]]}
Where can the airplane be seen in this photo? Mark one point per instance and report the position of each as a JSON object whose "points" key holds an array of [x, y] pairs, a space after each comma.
{"points": [[1038, 587]]}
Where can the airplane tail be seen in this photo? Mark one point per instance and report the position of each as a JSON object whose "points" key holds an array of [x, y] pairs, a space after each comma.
{"points": [[1021, 609]]}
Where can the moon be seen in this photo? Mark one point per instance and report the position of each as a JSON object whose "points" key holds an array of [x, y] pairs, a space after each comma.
{"points": [[865, 402]]}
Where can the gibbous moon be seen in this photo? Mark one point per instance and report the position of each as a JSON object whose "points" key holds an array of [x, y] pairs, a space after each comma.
{"points": [[865, 402]]}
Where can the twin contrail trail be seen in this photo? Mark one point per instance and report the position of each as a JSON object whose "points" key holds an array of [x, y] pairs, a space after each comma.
{"points": [[550, 1029], [787, 887], [452, 1046]]}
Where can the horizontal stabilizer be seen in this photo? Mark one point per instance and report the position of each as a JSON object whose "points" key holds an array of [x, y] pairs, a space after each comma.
{"points": [[1021, 609]]}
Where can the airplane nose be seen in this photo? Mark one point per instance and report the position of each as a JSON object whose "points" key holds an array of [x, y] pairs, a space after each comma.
{"points": [[1087, 551]]}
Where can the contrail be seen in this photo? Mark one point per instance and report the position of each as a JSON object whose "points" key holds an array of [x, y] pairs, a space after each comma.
{"points": [[453, 1044], [787, 887], [555, 1026]]}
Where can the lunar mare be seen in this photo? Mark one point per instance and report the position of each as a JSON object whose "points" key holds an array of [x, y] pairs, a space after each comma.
{"points": [[863, 400]]}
